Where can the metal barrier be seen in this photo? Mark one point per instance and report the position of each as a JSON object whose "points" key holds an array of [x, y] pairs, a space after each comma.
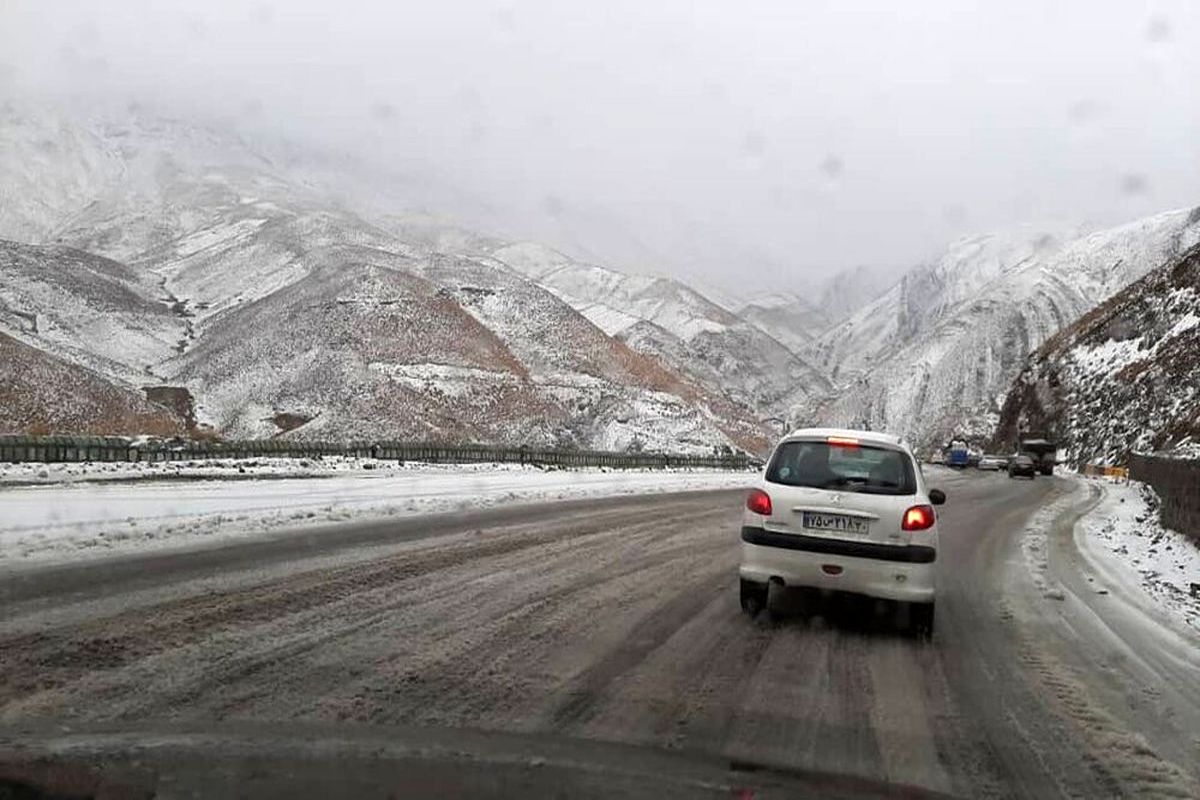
{"points": [[116, 448]]}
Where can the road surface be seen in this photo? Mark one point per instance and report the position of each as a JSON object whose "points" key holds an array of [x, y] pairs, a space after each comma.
{"points": [[618, 621]]}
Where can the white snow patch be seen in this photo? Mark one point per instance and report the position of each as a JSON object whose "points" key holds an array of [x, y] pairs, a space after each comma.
{"points": [[68, 521], [450, 381], [607, 318], [1186, 449], [1035, 543], [1184, 323], [1124, 535], [23, 474], [208, 237], [1107, 357]]}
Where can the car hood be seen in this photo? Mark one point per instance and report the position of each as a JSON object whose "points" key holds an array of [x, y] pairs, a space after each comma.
{"points": [[316, 760]]}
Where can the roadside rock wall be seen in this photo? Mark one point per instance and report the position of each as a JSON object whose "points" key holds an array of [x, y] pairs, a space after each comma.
{"points": [[1177, 483]]}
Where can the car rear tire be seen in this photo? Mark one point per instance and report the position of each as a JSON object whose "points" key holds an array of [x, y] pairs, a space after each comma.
{"points": [[920, 619], [754, 597]]}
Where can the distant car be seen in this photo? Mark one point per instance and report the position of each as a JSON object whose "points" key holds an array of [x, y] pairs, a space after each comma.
{"points": [[1022, 465], [938, 457], [842, 510], [993, 463]]}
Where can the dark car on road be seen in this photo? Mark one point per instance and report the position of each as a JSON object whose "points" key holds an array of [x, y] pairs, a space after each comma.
{"points": [[1022, 465]]}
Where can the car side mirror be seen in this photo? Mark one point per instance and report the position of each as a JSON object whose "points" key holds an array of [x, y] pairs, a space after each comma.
{"points": [[937, 496]]}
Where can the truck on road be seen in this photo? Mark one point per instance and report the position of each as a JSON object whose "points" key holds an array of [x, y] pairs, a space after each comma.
{"points": [[958, 455], [1043, 452]]}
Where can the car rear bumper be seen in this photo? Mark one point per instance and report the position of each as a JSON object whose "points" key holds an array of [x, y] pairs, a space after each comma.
{"points": [[891, 572]]}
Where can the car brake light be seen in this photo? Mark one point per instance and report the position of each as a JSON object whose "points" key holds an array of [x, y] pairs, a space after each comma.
{"points": [[841, 441], [759, 502], [917, 518]]}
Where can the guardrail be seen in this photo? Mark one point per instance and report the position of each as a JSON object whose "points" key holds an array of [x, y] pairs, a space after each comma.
{"points": [[117, 448], [1176, 481]]}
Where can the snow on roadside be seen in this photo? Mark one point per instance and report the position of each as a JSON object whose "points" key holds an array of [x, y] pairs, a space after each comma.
{"points": [[82, 519], [1185, 449], [95, 471], [1035, 543], [1123, 533]]}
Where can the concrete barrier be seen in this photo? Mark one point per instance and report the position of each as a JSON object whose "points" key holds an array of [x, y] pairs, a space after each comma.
{"points": [[115, 448], [1176, 481], [1097, 471]]}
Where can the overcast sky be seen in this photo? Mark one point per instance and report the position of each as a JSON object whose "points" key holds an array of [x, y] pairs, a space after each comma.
{"points": [[747, 144]]}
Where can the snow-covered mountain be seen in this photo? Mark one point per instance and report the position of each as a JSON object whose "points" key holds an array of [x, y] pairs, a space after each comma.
{"points": [[159, 252], [799, 320], [613, 300], [41, 393], [184, 256], [933, 355], [1124, 377], [788, 319], [682, 328], [851, 289], [97, 312]]}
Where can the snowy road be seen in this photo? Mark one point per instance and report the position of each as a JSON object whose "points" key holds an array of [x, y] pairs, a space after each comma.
{"points": [[617, 620]]}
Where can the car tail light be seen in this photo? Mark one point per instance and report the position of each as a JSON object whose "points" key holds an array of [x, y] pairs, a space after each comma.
{"points": [[759, 502], [917, 518]]}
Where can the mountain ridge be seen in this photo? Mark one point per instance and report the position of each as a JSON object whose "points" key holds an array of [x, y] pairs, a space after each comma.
{"points": [[933, 356], [218, 248], [1124, 377]]}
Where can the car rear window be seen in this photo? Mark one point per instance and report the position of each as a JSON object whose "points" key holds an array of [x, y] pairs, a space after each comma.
{"points": [[862, 468]]}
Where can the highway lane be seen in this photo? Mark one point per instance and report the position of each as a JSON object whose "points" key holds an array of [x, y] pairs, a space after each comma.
{"points": [[618, 621]]}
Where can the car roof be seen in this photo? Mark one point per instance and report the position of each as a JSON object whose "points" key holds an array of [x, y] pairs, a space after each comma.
{"points": [[863, 436]]}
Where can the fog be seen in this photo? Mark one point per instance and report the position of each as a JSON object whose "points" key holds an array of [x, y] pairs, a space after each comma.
{"points": [[749, 146]]}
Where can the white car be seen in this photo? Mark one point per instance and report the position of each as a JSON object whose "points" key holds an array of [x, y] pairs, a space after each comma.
{"points": [[993, 463], [842, 510]]}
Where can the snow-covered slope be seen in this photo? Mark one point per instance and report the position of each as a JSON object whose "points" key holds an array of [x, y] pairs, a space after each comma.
{"points": [[923, 297], [851, 289], [374, 344], [50, 170], [797, 320], [115, 184], [358, 346], [577, 362], [793, 321], [237, 275], [676, 324], [932, 356], [1124, 377], [616, 301], [102, 314], [41, 393]]}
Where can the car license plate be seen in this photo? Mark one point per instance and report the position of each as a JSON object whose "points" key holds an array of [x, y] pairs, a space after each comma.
{"points": [[835, 523]]}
